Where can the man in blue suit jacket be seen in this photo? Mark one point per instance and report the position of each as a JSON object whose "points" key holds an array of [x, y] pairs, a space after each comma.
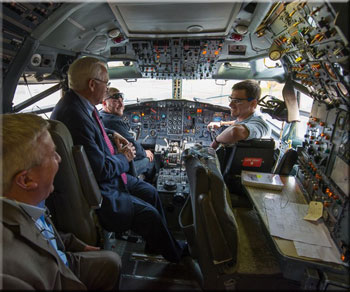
{"points": [[112, 116], [134, 205]]}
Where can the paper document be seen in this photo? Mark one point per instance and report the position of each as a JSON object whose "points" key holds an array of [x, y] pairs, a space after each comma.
{"points": [[286, 221], [328, 254], [262, 180], [315, 211]]}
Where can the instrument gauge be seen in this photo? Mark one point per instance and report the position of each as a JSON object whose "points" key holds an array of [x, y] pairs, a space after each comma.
{"points": [[335, 211], [330, 71], [342, 89], [135, 118]]}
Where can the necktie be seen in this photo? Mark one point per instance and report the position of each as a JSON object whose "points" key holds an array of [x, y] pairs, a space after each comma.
{"points": [[47, 231], [108, 142]]}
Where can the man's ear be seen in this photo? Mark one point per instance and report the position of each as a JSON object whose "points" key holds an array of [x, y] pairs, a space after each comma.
{"points": [[24, 181], [91, 84], [254, 103]]}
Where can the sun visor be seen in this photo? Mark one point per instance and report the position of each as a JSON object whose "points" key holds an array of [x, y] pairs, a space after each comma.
{"points": [[290, 99]]}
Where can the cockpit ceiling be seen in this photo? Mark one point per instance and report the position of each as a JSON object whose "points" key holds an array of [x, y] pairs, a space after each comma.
{"points": [[163, 40], [168, 19]]}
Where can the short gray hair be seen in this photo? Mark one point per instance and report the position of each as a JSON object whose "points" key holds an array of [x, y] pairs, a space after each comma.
{"points": [[20, 135], [82, 70]]}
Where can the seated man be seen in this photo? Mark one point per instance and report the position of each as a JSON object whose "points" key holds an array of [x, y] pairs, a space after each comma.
{"points": [[247, 124], [129, 202], [35, 256], [112, 116]]}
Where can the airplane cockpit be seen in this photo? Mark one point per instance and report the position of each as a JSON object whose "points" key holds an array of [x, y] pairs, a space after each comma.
{"points": [[176, 63]]}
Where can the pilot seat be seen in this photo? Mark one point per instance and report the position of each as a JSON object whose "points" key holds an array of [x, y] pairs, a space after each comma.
{"points": [[257, 155], [227, 244], [76, 193]]}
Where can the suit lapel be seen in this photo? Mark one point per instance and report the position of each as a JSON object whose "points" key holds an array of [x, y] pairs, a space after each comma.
{"points": [[22, 225]]}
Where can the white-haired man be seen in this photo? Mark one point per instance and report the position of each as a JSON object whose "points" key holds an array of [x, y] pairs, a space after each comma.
{"points": [[129, 202]]}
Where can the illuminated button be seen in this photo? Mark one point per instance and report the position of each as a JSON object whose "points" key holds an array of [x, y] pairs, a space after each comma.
{"points": [[326, 204]]}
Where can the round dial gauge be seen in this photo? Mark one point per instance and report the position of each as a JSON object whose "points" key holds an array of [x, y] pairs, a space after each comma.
{"points": [[275, 55], [343, 89], [135, 118], [335, 212], [330, 71]]}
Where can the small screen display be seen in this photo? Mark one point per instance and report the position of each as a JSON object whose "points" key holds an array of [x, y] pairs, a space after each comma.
{"points": [[340, 175]]}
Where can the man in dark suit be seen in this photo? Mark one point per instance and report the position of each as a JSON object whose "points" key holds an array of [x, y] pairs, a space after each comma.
{"points": [[35, 255], [129, 202], [112, 116]]}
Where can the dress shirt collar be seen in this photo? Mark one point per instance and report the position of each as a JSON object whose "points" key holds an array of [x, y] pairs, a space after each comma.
{"points": [[116, 117], [33, 211], [87, 104]]}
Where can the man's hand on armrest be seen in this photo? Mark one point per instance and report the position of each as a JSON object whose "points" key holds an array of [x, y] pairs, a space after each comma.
{"points": [[119, 141], [129, 151], [149, 155]]}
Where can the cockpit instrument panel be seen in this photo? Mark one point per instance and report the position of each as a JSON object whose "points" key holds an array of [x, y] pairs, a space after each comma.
{"points": [[315, 53], [173, 120]]}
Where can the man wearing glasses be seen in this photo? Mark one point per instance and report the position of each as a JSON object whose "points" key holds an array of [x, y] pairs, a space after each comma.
{"points": [[128, 203], [112, 116], [247, 123]]}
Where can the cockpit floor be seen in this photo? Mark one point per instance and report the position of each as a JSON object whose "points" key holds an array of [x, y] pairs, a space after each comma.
{"points": [[142, 271]]}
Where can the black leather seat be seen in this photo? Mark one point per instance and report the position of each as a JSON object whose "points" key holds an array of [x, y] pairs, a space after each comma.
{"points": [[76, 192], [288, 160], [229, 245], [256, 155]]}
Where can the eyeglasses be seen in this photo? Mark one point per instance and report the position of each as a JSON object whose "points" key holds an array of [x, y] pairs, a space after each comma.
{"points": [[107, 83], [118, 95], [239, 100], [46, 233]]}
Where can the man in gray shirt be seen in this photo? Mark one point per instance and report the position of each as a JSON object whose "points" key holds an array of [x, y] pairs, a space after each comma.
{"points": [[247, 124]]}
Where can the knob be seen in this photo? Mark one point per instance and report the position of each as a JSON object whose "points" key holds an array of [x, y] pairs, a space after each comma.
{"points": [[170, 185], [179, 199]]}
